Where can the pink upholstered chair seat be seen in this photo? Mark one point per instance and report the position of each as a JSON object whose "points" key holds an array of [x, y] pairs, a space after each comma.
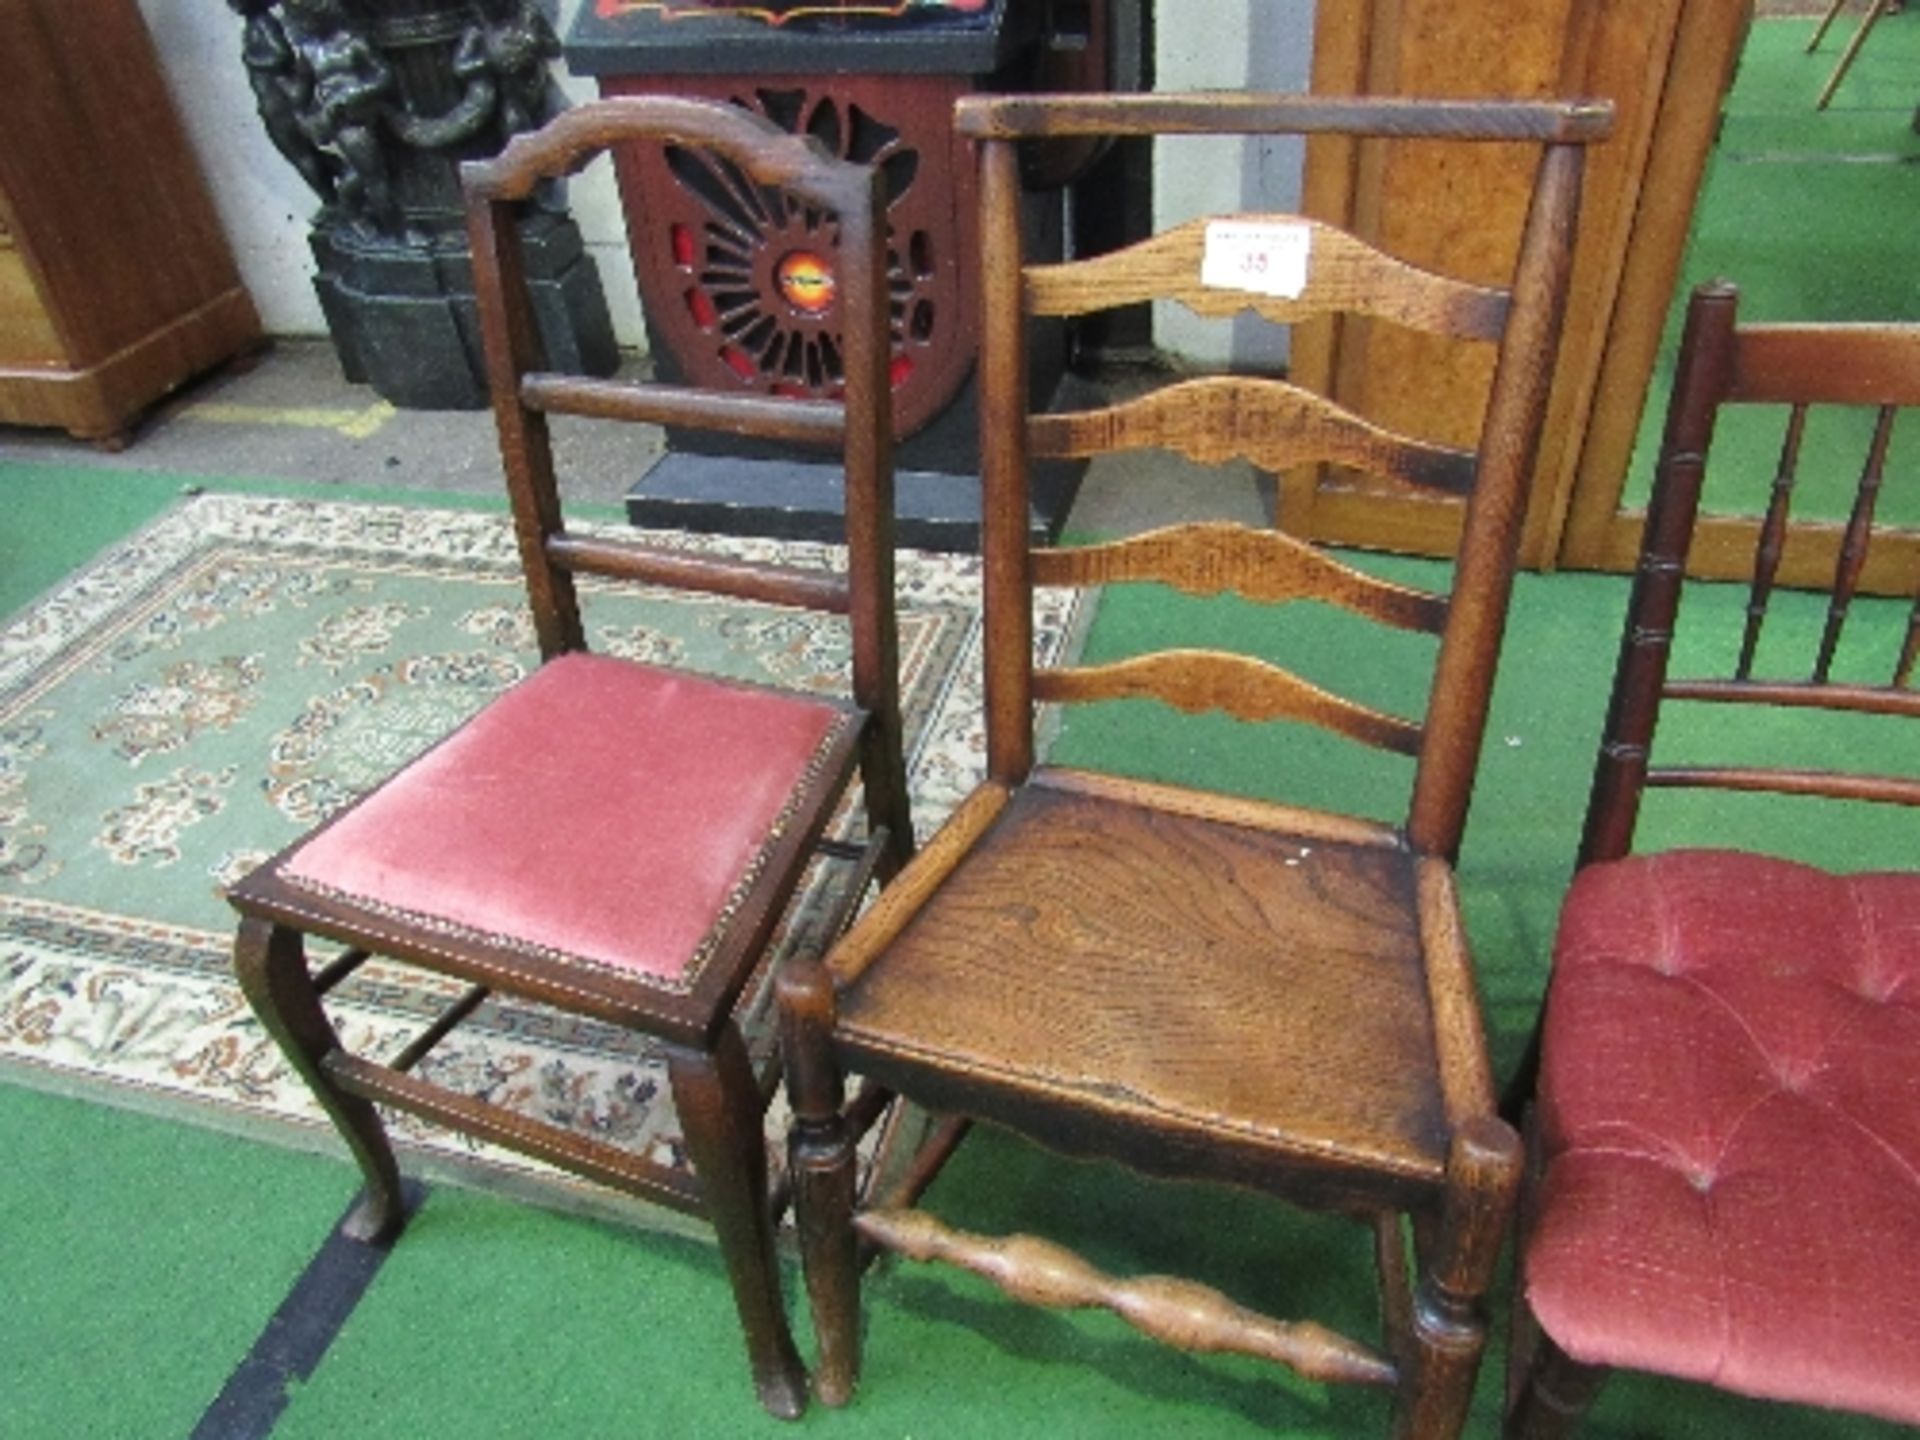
{"points": [[1730, 1120], [602, 812]]}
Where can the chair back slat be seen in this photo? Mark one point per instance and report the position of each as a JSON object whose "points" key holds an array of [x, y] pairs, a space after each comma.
{"points": [[1238, 685], [1853, 545], [763, 417], [1212, 557], [1268, 422], [1773, 538], [1338, 272], [1723, 363], [620, 559], [1821, 784], [1800, 694]]}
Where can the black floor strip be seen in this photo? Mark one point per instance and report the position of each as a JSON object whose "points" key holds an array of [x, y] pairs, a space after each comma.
{"points": [[298, 1334]]}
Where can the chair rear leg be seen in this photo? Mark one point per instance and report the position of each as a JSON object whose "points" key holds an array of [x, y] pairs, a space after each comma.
{"points": [[1449, 1314], [720, 1116], [271, 963], [1553, 1391], [823, 1170]]}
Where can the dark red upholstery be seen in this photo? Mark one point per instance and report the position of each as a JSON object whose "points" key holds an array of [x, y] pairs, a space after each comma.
{"points": [[1730, 1118], [621, 810]]}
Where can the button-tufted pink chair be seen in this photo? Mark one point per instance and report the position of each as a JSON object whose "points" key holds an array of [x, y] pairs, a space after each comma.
{"points": [[1726, 1167]]}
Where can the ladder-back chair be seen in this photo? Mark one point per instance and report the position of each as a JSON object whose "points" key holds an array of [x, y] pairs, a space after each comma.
{"points": [[1728, 1072], [613, 838], [1198, 985]]}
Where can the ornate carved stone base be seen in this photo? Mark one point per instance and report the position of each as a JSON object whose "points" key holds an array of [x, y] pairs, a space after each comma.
{"points": [[402, 313]]}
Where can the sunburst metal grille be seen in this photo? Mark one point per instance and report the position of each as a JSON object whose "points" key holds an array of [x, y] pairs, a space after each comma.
{"points": [[757, 266]]}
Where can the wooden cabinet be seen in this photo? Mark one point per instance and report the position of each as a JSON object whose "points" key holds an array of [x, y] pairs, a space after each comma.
{"points": [[116, 283], [1665, 64]]}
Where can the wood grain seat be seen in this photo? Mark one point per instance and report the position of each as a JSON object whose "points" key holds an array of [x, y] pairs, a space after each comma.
{"points": [[1124, 960], [1729, 1106], [544, 829]]}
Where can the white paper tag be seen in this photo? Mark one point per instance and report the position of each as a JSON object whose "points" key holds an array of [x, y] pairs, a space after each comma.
{"points": [[1264, 258]]}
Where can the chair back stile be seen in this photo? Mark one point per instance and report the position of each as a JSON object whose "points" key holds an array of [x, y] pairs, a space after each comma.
{"points": [[1483, 575]]}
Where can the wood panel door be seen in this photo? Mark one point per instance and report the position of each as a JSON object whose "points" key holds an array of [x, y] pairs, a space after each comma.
{"points": [[1665, 64]]}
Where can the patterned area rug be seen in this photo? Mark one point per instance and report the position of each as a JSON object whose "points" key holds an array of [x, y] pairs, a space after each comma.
{"points": [[205, 692]]}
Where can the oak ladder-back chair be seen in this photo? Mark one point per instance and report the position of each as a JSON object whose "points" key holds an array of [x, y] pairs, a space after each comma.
{"points": [[1196, 985], [618, 839], [1728, 1073]]}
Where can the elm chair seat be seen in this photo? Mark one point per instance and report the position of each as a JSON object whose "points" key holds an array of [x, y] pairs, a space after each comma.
{"points": [[603, 813], [1168, 939], [1730, 1117]]}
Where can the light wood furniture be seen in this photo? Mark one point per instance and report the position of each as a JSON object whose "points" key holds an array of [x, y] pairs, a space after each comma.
{"points": [[1876, 10], [614, 838], [116, 283], [1725, 1073], [1197, 985], [1665, 65]]}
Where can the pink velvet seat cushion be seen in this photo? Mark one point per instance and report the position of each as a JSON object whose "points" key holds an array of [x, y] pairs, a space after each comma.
{"points": [[600, 811], [1730, 1115]]}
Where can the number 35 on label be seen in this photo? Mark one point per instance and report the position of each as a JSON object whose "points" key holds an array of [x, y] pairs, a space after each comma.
{"points": [[1261, 257]]}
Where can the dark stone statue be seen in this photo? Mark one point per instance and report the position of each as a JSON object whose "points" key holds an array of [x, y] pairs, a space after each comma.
{"points": [[375, 103]]}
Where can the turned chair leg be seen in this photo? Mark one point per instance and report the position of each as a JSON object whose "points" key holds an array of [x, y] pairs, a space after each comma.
{"points": [[1449, 1313], [720, 1117], [271, 963], [822, 1165]]}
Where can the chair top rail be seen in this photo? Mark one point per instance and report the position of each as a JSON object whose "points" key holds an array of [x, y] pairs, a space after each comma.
{"points": [[1209, 557], [1853, 364], [1271, 423], [1230, 112], [1339, 272], [767, 153]]}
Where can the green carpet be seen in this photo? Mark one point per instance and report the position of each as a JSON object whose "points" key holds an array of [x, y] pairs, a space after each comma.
{"points": [[1803, 212], [140, 1260]]}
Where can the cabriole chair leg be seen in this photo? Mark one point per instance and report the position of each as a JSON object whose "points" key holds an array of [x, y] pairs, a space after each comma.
{"points": [[271, 963]]}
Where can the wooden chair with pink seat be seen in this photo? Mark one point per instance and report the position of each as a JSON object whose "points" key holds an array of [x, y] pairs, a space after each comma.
{"points": [[1726, 1086], [614, 838]]}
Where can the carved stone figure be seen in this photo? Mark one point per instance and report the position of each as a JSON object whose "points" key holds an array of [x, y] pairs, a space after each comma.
{"points": [[375, 103], [351, 120]]}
